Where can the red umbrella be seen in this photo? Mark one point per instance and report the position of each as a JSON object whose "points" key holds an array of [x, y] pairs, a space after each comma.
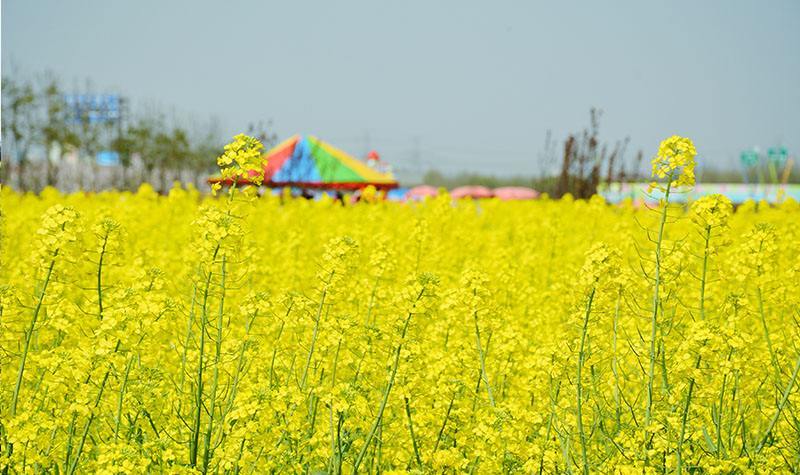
{"points": [[420, 192], [507, 193], [471, 192]]}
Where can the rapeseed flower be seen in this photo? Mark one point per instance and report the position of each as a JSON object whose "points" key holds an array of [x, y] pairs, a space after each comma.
{"points": [[675, 161], [242, 159], [302, 336], [712, 210]]}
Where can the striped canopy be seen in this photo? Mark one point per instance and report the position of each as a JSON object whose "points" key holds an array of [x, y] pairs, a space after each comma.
{"points": [[308, 162]]}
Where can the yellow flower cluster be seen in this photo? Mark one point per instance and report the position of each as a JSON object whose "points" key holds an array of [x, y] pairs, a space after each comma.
{"points": [[242, 159], [675, 162], [601, 261], [370, 194], [712, 210], [187, 334], [56, 231]]}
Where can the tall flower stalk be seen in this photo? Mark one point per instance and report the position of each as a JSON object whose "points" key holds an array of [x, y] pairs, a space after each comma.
{"points": [[675, 163], [476, 297], [709, 212], [763, 236], [241, 163], [654, 315], [602, 263], [55, 234], [579, 382], [421, 289], [103, 232], [780, 407], [615, 363]]}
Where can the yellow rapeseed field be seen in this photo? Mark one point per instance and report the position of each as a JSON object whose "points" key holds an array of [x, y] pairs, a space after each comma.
{"points": [[241, 334]]}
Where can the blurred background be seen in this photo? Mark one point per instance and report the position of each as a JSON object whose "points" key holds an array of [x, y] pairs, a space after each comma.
{"points": [[557, 96]]}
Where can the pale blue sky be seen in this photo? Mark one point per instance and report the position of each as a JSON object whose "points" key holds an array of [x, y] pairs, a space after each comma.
{"points": [[477, 84]]}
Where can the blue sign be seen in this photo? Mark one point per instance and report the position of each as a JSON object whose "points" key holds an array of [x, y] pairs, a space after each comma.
{"points": [[107, 158], [93, 108]]}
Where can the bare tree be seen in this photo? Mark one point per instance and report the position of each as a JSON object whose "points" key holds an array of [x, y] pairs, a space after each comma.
{"points": [[584, 158]]}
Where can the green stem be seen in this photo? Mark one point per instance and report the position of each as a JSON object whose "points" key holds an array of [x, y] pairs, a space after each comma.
{"points": [[338, 467], [121, 397], [654, 317], [315, 332], [367, 323], [684, 418], [189, 325], [70, 435], [444, 423], [74, 465], [334, 455], [26, 348], [703, 277], [773, 358], [215, 378], [372, 301], [614, 367], [240, 369], [100, 278], [194, 441], [721, 403], [554, 392], [780, 407], [275, 352], [581, 356], [411, 431], [481, 356], [386, 391], [29, 335], [685, 415], [379, 449]]}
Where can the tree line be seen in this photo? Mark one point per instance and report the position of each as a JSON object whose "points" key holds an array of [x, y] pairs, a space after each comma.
{"points": [[45, 144]]}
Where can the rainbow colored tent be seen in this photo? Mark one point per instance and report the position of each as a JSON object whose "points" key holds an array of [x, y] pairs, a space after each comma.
{"points": [[308, 162]]}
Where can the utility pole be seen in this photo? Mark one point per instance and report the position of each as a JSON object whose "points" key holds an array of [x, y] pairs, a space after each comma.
{"points": [[416, 157], [367, 144]]}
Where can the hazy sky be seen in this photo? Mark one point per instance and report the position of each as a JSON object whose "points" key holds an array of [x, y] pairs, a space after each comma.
{"points": [[469, 85]]}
